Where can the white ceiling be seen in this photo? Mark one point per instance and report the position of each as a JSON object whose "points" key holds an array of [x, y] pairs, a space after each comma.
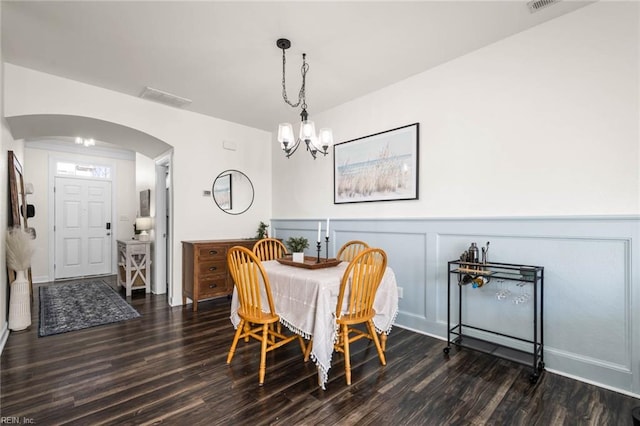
{"points": [[222, 55]]}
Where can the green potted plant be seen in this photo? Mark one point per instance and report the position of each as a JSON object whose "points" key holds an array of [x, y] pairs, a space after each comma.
{"points": [[297, 245], [262, 231]]}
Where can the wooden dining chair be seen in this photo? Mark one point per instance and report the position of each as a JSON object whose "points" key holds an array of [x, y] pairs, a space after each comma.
{"points": [[257, 318], [355, 303], [269, 249], [350, 249]]}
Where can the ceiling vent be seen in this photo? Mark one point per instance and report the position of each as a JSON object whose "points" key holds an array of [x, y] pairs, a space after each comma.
{"points": [[536, 5], [164, 97]]}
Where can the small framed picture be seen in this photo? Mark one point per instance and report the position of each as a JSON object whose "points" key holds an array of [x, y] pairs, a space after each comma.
{"points": [[145, 203]]}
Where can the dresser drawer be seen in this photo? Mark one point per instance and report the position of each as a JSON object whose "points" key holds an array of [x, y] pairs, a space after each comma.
{"points": [[211, 287], [211, 252], [212, 267]]}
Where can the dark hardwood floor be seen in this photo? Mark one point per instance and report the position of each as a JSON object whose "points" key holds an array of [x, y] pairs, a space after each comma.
{"points": [[169, 366]]}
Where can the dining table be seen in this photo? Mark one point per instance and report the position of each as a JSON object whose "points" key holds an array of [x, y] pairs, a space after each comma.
{"points": [[305, 300]]}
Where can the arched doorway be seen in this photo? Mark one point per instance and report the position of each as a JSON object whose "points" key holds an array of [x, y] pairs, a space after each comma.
{"points": [[32, 127]]}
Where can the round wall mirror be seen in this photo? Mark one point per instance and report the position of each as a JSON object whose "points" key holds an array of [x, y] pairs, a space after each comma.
{"points": [[233, 192]]}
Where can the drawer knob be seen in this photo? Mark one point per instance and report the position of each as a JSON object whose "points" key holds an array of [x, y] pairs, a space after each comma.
{"points": [[213, 252], [213, 268], [213, 285]]}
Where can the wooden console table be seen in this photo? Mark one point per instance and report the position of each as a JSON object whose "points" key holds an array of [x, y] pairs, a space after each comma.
{"points": [[134, 265]]}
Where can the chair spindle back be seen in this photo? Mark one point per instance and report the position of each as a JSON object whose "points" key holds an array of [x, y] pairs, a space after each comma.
{"points": [[249, 277], [350, 250], [269, 249], [360, 283]]}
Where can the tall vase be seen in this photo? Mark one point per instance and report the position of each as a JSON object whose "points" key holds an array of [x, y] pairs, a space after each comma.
{"points": [[20, 303]]}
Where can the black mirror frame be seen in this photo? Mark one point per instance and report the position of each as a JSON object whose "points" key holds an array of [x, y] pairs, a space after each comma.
{"points": [[228, 210]]}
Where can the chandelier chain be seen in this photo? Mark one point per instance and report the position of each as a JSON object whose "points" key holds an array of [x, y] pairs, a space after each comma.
{"points": [[302, 94]]}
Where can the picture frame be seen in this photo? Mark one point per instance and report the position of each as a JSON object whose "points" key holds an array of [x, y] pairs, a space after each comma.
{"points": [[145, 203], [222, 192], [17, 196], [378, 167]]}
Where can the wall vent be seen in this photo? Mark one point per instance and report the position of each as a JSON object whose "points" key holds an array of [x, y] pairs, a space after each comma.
{"points": [[536, 5], [163, 97]]}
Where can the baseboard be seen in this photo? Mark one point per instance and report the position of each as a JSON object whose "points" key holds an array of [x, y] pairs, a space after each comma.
{"points": [[4, 336], [415, 330], [41, 279], [177, 301], [593, 382]]}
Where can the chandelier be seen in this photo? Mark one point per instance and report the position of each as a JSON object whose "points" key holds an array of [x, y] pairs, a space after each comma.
{"points": [[319, 143]]}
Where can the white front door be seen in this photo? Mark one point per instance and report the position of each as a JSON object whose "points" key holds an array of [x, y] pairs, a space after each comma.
{"points": [[82, 227]]}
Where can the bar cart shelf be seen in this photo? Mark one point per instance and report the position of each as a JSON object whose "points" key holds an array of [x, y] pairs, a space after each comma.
{"points": [[466, 273]]}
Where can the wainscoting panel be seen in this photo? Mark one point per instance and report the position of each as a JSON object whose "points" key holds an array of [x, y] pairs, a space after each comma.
{"points": [[591, 286]]}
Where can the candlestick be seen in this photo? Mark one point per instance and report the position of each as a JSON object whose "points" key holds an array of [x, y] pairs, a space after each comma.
{"points": [[319, 246], [326, 241]]}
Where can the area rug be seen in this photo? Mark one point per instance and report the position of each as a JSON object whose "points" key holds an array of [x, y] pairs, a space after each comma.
{"points": [[79, 305]]}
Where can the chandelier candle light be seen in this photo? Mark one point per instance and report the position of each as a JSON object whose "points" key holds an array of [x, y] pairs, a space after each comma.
{"points": [[288, 142]]}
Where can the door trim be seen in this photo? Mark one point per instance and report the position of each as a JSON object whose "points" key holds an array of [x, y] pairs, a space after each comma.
{"points": [[53, 159], [162, 265]]}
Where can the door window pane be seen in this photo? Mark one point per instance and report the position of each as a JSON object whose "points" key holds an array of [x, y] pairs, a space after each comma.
{"points": [[83, 170]]}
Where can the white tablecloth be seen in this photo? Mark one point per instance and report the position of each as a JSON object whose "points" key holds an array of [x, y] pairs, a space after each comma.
{"points": [[306, 301]]}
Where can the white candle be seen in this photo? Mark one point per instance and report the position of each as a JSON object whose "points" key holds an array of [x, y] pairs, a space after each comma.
{"points": [[319, 230], [327, 227]]}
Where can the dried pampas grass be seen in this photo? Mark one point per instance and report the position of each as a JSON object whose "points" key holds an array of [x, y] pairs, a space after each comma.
{"points": [[19, 249]]}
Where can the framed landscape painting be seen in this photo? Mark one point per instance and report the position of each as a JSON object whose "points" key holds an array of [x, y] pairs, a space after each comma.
{"points": [[378, 167]]}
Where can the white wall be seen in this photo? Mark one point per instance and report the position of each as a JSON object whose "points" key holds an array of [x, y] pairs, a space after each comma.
{"points": [[541, 123], [4, 222], [6, 144], [4, 136], [198, 154]]}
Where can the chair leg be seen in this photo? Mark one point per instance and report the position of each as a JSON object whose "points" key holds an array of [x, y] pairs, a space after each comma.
{"points": [[236, 337], [247, 326], [374, 335], [383, 341], [263, 352], [347, 358], [272, 337], [307, 352]]}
